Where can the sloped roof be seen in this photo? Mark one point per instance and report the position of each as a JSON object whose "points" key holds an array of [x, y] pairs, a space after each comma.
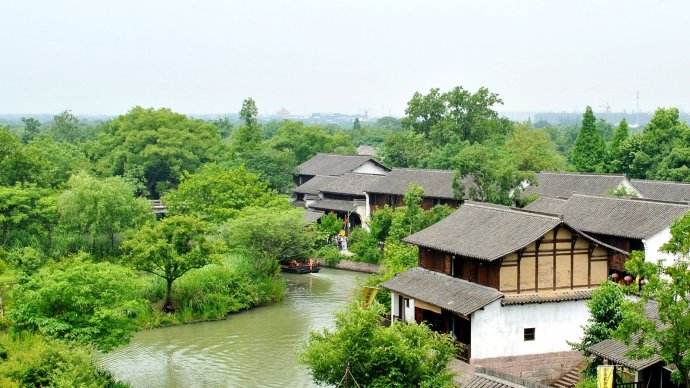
{"points": [[484, 232], [335, 205], [332, 164], [547, 297], [312, 216], [446, 292], [350, 183], [630, 218], [564, 184], [662, 190], [314, 185], [436, 183], [484, 381], [617, 351], [547, 205]]}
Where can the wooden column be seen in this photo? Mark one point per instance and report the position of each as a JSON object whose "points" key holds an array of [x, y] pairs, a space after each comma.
{"points": [[536, 265], [555, 238], [519, 259], [572, 262]]}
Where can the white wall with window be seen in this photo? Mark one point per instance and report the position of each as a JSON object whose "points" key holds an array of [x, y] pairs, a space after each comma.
{"points": [[502, 331], [407, 310]]}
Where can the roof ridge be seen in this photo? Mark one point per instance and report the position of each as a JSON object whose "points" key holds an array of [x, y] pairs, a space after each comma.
{"points": [[647, 200], [507, 209], [661, 181], [435, 273], [421, 169], [348, 155], [582, 173]]}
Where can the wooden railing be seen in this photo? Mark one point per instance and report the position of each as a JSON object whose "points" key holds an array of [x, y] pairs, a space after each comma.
{"points": [[463, 352]]}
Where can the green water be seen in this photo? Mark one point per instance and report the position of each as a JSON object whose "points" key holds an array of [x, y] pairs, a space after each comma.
{"points": [[257, 348]]}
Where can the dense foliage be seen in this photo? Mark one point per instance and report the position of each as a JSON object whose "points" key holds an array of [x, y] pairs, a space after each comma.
{"points": [[364, 353]]}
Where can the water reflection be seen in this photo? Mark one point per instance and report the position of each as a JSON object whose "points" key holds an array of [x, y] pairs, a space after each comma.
{"points": [[257, 348]]}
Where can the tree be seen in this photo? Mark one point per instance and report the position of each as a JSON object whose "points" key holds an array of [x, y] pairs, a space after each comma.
{"points": [[305, 141], [27, 216], [532, 150], [356, 125], [65, 128], [666, 331], [616, 149], [32, 128], [270, 236], [88, 303], [589, 153], [168, 249], [248, 136], [605, 316], [405, 149], [362, 352], [100, 208], [155, 148], [216, 194]]}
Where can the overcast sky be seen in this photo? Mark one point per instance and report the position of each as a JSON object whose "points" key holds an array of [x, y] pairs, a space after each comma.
{"points": [[339, 56]]}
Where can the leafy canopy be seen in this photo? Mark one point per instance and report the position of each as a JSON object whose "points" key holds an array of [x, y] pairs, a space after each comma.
{"points": [[80, 301], [401, 355]]}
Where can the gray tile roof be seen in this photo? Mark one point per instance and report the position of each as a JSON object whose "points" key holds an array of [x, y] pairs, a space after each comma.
{"points": [[560, 296], [446, 292], [661, 190], [436, 183], [332, 164], [490, 378], [630, 218], [350, 183], [563, 184], [314, 185], [484, 381], [335, 205], [617, 351], [484, 232], [312, 216], [547, 205]]}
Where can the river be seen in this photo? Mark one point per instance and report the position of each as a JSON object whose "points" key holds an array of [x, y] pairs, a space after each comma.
{"points": [[256, 348]]}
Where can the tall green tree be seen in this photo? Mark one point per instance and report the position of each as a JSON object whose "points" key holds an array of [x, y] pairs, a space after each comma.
{"points": [[217, 194], [98, 210], [66, 127], [616, 151], [356, 125], [32, 128], [248, 136], [28, 216], [589, 153], [155, 147], [168, 249], [532, 150]]}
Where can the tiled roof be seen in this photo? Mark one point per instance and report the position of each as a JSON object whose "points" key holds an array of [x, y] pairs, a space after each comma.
{"points": [[312, 216], [484, 381], [350, 183], [489, 378], [484, 232], [332, 164], [564, 184], [662, 190], [436, 183], [617, 351], [446, 292], [335, 205], [630, 218], [314, 185], [547, 205], [549, 297]]}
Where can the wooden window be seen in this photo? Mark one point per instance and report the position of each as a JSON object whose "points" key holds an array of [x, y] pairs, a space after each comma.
{"points": [[529, 334]]}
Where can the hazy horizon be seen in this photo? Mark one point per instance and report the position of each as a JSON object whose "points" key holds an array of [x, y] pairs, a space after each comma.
{"points": [[344, 56]]}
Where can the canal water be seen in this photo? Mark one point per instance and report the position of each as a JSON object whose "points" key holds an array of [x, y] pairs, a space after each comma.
{"points": [[256, 348]]}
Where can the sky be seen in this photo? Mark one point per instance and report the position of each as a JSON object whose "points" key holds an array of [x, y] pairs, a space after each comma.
{"points": [[351, 56]]}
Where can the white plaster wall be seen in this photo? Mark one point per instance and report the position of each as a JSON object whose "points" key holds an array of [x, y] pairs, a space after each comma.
{"points": [[409, 311], [363, 215], [652, 248], [370, 168], [498, 331]]}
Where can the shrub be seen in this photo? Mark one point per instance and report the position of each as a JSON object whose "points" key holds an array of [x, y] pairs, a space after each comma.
{"points": [[329, 254], [33, 361], [85, 302], [365, 246]]}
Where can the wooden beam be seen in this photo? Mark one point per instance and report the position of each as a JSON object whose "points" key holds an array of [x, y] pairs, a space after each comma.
{"points": [[572, 261], [555, 235], [536, 265], [518, 269]]}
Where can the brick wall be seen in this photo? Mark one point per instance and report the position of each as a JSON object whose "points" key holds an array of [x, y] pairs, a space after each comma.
{"points": [[544, 368]]}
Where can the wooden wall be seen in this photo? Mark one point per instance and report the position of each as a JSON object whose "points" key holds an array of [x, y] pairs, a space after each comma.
{"points": [[560, 260]]}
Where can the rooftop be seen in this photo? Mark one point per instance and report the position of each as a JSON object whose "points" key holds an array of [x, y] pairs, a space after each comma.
{"points": [[314, 185], [333, 164], [453, 294], [350, 183], [436, 183], [662, 190], [564, 184]]}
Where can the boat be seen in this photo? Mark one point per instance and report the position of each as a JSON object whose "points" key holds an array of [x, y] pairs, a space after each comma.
{"points": [[300, 267]]}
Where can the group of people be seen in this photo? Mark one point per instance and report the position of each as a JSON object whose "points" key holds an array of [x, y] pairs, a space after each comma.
{"points": [[341, 240]]}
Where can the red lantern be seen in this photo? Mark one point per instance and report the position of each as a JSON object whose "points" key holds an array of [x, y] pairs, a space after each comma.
{"points": [[628, 279]]}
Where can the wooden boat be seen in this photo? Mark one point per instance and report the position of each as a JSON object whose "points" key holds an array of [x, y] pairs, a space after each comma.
{"points": [[301, 267]]}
